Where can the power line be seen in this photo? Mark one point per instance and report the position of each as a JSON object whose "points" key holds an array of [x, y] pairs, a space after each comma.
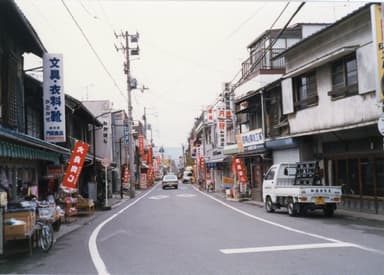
{"points": [[245, 21], [273, 24], [274, 41], [93, 49]]}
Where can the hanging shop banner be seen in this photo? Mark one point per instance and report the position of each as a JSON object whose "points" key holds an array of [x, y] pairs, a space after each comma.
{"points": [[377, 12], [241, 170], [150, 175], [220, 113], [125, 174], [54, 100], [75, 165], [143, 181], [150, 155], [221, 128], [202, 163], [228, 114], [141, 145], [209, 115]]}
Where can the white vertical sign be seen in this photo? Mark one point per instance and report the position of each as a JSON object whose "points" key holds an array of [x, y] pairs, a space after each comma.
{"points": [[54, 100]]}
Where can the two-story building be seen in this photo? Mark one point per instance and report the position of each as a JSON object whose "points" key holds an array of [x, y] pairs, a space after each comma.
{"points": [[261, 126], [329, 98], [28, 163]]}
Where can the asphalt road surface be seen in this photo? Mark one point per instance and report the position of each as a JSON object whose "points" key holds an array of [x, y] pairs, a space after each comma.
{"points": [[185, 231]]}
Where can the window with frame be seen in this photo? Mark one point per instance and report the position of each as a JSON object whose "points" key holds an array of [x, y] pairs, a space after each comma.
{"points": [[33, 122], [344, 77], [305, 90]]}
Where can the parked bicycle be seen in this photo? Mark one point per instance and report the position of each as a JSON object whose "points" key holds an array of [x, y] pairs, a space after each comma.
{"points": [[44, 227]]}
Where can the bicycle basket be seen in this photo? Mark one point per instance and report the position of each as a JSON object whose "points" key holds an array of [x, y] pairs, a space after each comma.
{"points": [[45, 213]]}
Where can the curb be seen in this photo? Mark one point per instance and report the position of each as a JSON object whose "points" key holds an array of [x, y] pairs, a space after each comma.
{"points": [[349, 214]]}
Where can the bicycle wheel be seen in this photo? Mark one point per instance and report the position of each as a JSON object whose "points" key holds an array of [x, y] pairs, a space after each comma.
{"points": [[46, 237]]}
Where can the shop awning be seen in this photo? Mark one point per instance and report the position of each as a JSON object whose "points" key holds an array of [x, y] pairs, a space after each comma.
{"points": [[12, 150], [231, 149], [19, 138], [223, 159]]}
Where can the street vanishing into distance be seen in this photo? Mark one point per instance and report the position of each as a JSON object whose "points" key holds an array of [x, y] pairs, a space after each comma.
{"points": [[187, 231]]}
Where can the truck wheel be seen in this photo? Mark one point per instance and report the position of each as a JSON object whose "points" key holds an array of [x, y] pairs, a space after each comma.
{"points": [[303, 210], [329, 211], [269, 205], [291, 209]]}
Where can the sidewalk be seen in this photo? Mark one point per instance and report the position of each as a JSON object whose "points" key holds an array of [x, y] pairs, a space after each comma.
{"points": [[339, 211], [79, 221]]}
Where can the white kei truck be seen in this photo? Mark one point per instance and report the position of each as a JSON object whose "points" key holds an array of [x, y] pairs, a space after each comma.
{"points": [[298, 187]]}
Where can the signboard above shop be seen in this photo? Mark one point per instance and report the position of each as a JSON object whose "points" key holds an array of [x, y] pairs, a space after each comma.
{"points": [[53, 98]]}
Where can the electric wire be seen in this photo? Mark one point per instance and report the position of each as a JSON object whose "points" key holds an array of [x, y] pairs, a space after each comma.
{"points": [[93, 49], [245, 21], [86, 10], [272, 25], [273, 42]]}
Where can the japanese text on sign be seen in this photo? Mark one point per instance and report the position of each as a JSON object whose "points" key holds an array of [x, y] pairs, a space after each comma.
{"points": [[54, 100], [75, 165]]}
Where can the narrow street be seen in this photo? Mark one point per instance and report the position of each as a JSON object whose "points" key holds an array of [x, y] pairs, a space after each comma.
{"points": [[185, 231]]}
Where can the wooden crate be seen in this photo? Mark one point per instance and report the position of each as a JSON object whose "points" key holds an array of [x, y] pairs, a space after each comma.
{"points": [[28, 217], [15, 231]]}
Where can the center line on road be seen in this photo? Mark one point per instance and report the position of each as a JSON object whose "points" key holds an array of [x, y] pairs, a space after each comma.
{"points": [[285, 248]]}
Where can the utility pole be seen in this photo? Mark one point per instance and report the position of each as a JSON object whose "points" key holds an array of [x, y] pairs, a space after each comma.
{"points": [[131, 147]]}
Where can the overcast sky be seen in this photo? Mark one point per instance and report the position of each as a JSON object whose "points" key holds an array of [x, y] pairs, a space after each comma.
{"points": [[188, 49]]}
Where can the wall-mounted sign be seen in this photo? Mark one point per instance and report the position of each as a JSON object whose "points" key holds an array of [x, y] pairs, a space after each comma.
{"points": [[54, 100], [253, 137], [141, 144]]}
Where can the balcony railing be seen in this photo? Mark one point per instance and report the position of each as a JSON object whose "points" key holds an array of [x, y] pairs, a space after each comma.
{"points": [[255, 64]]}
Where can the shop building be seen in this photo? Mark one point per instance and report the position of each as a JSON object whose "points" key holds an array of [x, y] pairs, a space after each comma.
{"points": [[29, 165], [262, 128], [329, 98], [23, 155]]}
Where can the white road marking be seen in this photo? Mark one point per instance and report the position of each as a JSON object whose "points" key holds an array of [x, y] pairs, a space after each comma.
{"points": [[284, 248], [92, 245], [186, 195], [159, 197], [287, 227]]}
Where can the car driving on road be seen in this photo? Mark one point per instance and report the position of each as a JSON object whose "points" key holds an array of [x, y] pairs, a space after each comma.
{"points": [[187, 177], [170, 180]]}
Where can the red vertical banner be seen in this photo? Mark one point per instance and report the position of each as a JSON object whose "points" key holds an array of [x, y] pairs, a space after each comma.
{"points": [[202, 163], [141, 145], [150, 175], [150, 155], [241, 170], [125, 174], [75, 165]]}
